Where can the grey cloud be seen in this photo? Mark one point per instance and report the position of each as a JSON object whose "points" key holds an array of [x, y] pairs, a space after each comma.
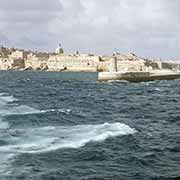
{"points": [[18, 11], [149, 28], [34, 17], [26, 22], [28, 5]]}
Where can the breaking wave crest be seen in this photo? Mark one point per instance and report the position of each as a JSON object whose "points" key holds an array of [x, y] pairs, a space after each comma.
{"points": [[46, 139], [9, 107], [4, 101], [51, 138], [18, 110]]}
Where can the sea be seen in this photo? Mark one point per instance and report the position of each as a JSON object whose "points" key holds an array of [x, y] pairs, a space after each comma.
{"points": [[68, 126]]}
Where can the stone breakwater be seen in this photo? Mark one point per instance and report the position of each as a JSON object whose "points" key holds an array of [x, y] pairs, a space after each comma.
{"points": [[15, 59]]}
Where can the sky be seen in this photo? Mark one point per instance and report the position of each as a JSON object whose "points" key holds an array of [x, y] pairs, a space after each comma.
{"points": [[148, 28]]}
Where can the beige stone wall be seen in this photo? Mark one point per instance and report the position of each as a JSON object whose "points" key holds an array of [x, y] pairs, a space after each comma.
{"points": [[36, 63], [17, 59], [131, 65], [18, 54], [62, 62], [154, 64], [171, 65], [18, 64], [103, 66], [72, 63], [123, 65], [6, 64], [12, 60]]}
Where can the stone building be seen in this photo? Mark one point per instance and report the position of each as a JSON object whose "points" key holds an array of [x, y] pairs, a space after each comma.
{"points": [[12, 59], [58, 61], [72, 62], [172, 65], [36, 61]]}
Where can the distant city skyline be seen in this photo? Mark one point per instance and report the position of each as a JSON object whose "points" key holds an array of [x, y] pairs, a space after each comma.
{"points": [[146, 28]]}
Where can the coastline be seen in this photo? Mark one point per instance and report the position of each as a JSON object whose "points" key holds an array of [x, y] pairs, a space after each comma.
{"points": [[22, 60]]}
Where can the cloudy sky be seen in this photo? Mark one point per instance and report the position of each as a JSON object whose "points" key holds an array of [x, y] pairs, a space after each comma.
{"points": [[149, 28]]}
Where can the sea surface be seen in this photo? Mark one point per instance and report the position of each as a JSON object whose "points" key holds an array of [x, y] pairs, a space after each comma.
{"points": [[67, 126]]}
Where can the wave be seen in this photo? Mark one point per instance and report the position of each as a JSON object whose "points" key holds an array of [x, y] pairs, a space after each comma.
{"points": [[65, 111], [18, 110], [5, 99], [39, 140], [7, 107], [5, 163], [25, 110], [45, 139], [3, 124], [158, 89], [118, 81]]}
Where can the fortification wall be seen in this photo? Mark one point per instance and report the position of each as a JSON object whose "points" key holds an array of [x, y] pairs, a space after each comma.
{"points": [[36, 63], [27, 60], [131, 65], [72, 63], [103, 66], [171, 65], [5, 64], [123, 65]]}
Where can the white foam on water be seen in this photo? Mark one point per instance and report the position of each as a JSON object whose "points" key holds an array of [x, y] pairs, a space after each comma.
{"points": [[158, 89], [5, 163], [66, 111], [24, 110], [8, 107], [115, 81], [18, 110], [19, 143], [4, 99], [3, 124], [46, 139]]}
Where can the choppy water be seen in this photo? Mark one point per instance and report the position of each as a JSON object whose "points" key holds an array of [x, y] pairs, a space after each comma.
{"points": [[67, 126]]}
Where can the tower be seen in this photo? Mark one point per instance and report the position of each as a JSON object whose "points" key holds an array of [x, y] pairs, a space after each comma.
{"points": [[59, 50], [113, 65]]}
